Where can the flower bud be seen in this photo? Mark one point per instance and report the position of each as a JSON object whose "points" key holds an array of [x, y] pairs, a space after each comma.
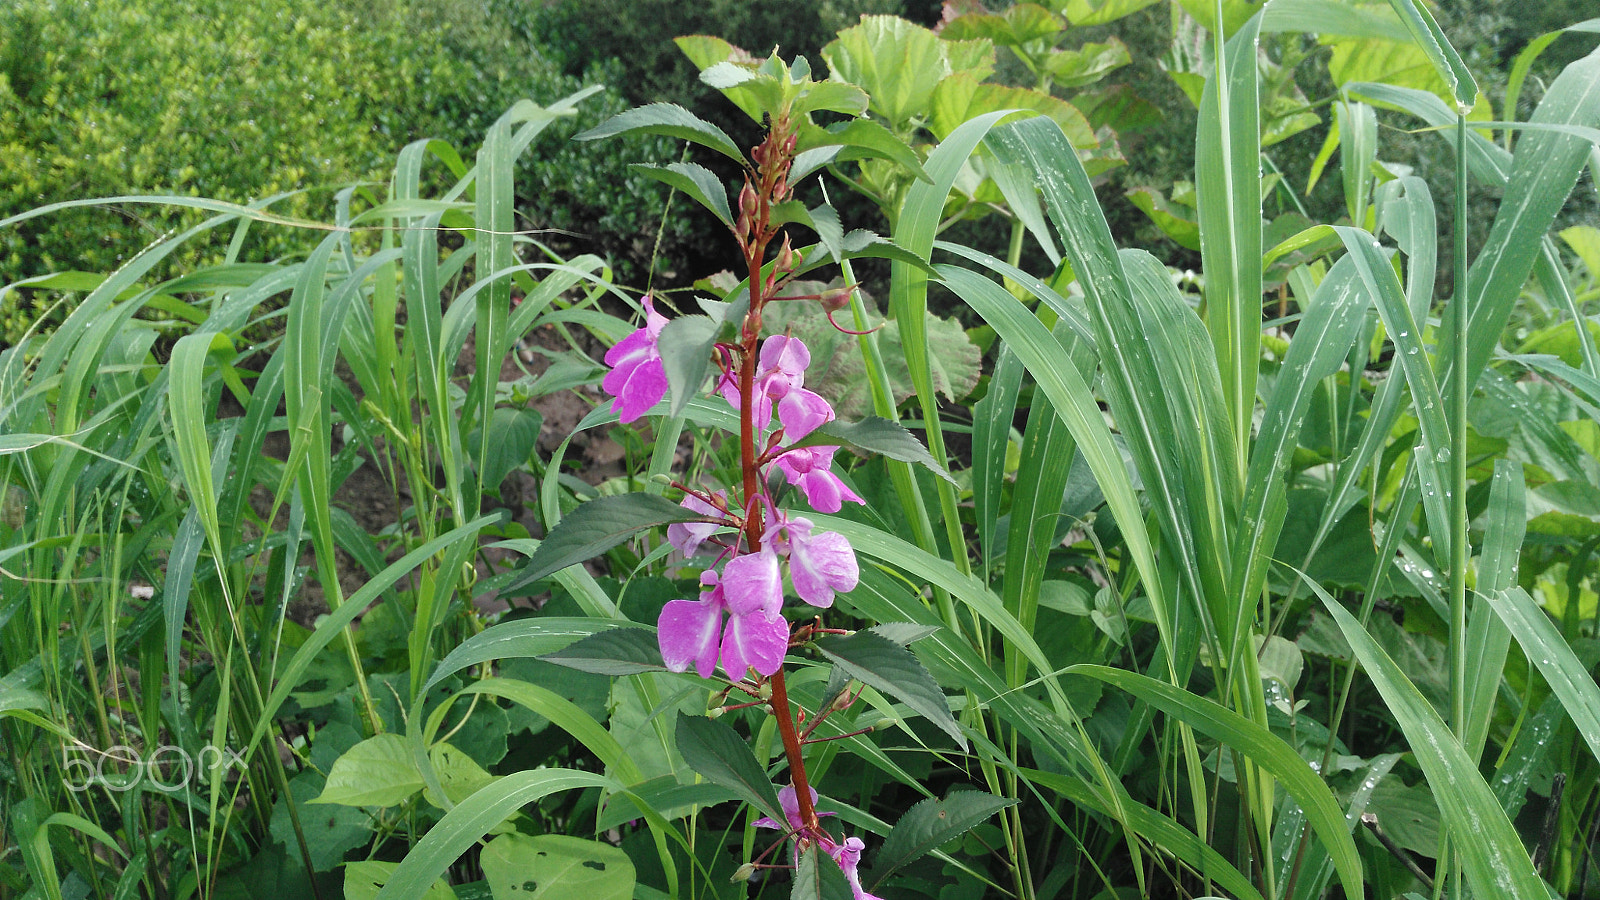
{"points": [[836, 299], [766, 690], [743, 873], [662, 478], [747, 200], [716, 713], [883, 723]]}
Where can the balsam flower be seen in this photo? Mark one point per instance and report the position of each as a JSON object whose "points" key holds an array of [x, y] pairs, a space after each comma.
{"points": [[846, 854], [638, 378], [810, 470], [687, 537], [779, 381], [819, 564], [756, 635]]}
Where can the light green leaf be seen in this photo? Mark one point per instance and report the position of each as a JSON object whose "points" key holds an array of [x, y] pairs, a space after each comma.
{"points": [[1495, 862], [363, 879], [670, 120], [1567, 676], [556, 867], [695, 180], [1087, 64], [896, 62], [962, 97], [379, 771]]}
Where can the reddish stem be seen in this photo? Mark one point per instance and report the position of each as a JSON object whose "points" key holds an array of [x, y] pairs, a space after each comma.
{"points": [[791, 750]]}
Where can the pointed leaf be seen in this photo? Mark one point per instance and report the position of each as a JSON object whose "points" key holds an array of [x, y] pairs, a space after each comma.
{"points": [[818, 877], [930, 823], [903, 633], [379, 771], [712, 748], [895, 61], [668, 119], [695, 180], [875, 660], [596, 527], [1566, 674], [518, 639], [1425, 31], [876, 434], [685, 347], [1492, 854], [619, 651], [860, 139]]}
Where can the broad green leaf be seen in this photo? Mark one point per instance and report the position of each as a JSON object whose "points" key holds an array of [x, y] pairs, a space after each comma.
{"points": [[1567, 676], [1376, 60], [859, 139], [818, 877], [1259, 745], [521, 638], [668, 119], [596, 527], [685, 347], [560, 711], [555, 867], [619, 651], [961, 97], [1495, 862], [695, 180], [975, 57], [379, 771], [1446, 61], [666, 796], [930, 823], [896, 62], [1331, 17], [1099, 12], [875, 660], [1017, 26], [880, 436], [903, 633], [712, 748], [1087, 64], [512, 436], [363, 879], [472, 819]]}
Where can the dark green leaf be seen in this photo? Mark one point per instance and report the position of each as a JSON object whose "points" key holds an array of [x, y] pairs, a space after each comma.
{"points": [[522, 638], [668, 119], [875, 660], [876, 434], [685, 347], [620, 651], [596, 527], [931, 823], [712, 748], [818, 877], [512, 435], [695, 180]]}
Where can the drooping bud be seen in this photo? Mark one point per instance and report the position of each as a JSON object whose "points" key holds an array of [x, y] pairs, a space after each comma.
{"points": [[743, 873], [835, 299]]}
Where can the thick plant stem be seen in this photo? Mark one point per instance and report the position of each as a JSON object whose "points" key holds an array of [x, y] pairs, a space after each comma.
{"points": [[791, 750]]}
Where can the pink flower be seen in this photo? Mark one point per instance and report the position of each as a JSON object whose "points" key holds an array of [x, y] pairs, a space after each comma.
{"points": [[809, 469], [638, 378], [687, 536], [820, 564], [689, 630], [753, 583], [779, 379], [847, 854]]}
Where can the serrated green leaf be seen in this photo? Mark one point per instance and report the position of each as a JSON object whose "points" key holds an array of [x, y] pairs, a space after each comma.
{"points": [[930, 823], [875, 660], [1087, 64], [596, 527], [712, 748], [668, 119], [859, 139], [695, 180], [818, 877], [876, 434], [620, 651], [1017, 26], [379, 771], [895, 61], [685, 347]]}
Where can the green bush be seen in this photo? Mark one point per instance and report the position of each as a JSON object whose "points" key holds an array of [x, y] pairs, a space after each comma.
{"points": [[244, 99]]}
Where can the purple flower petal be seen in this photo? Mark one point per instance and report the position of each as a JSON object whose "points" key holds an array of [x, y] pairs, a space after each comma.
{"points": [[688, 632], [687, 536], [848, 856], [753, 583], [820, 564], [786, 355], [808, 469], [755, 641], [638, 378], [802, 412]]}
